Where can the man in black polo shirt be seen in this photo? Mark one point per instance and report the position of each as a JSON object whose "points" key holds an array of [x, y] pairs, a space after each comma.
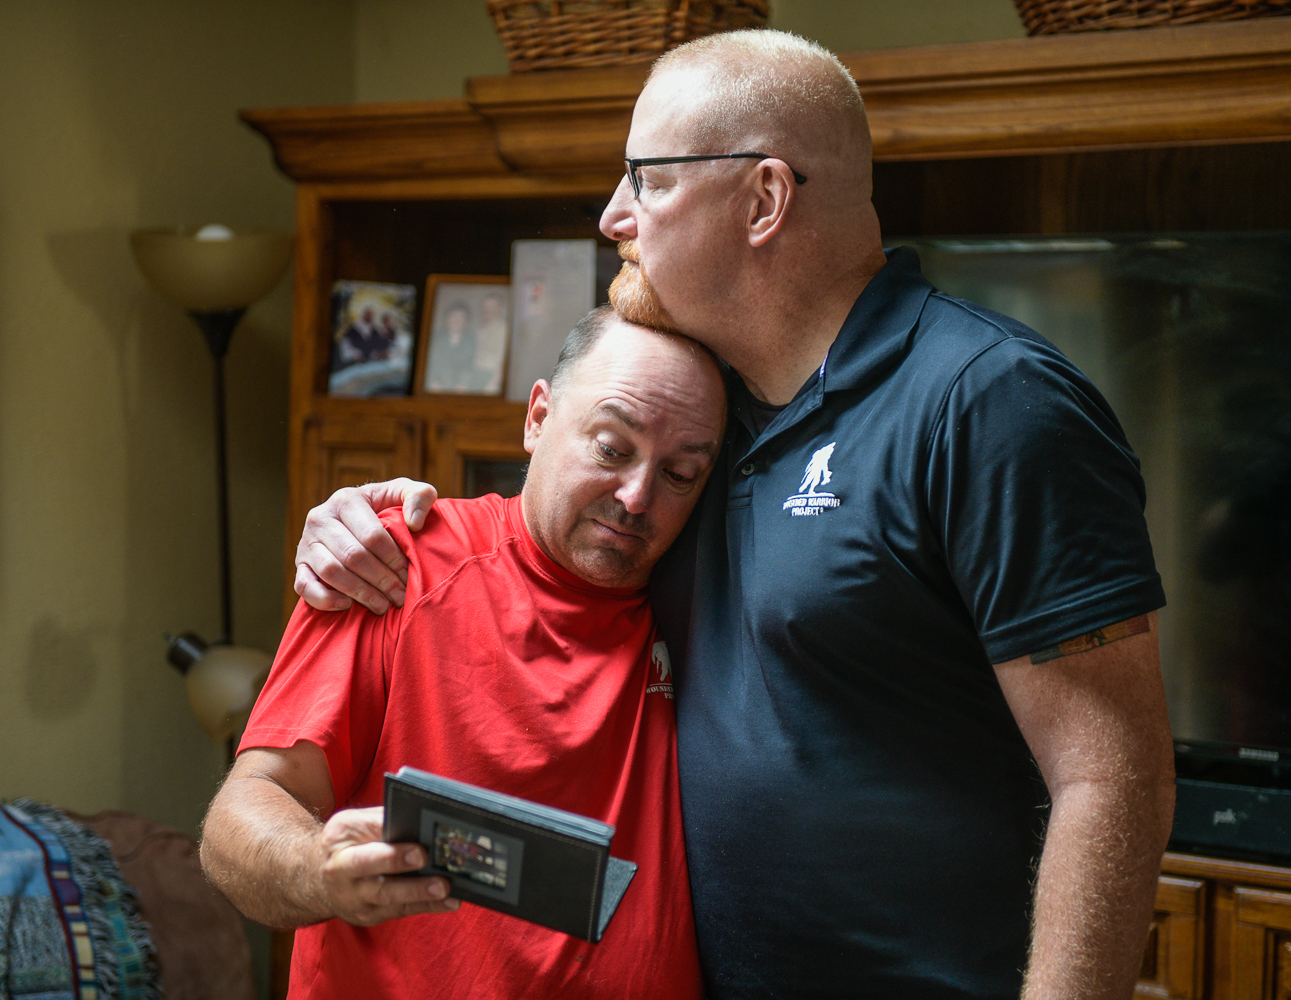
{"points": [[920, 564]]}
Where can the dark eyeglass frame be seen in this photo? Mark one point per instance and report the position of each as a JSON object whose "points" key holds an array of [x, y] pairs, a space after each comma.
{"points": [[637, 162]]}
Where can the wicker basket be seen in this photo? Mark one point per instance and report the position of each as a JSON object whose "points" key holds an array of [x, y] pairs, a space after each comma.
{"points": [[570, 34], [1048, 17]]}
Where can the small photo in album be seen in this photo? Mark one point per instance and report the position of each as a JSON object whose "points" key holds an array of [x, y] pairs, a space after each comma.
{"points": [[464, 851], [492, 861], [371, 338]]}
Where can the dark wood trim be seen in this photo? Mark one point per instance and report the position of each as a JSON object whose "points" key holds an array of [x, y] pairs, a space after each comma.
{"points": [[1092, 53], [1212, 83], [310, 301], [1224, 870], [470, 188], [372, 141], [560, 121]]}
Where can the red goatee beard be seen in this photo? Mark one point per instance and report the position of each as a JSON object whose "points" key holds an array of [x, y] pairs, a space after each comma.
{"points": [[632, 295]]}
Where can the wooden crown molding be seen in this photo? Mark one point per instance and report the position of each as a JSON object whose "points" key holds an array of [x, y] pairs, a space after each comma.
{"points": [[394, 140], [572, 120], [1190, 85]]}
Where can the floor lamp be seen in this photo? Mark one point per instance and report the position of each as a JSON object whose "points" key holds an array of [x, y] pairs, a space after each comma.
{"points": [[215, 274]]}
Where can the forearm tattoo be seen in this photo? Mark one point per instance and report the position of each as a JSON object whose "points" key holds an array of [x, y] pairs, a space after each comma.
{"points": [[1094, 639]]}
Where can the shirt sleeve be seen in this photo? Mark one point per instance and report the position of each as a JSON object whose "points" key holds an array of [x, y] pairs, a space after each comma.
{"points": [[1038, 500], [328, 685]]}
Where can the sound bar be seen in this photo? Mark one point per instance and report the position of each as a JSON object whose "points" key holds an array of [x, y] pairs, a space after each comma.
{"points": [[1239, 821]]}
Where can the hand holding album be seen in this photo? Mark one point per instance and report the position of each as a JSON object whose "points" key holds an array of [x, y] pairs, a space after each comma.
{"points": [[544, 865], [356, 861]]}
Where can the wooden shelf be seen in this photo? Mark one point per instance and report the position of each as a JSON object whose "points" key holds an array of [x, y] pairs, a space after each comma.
{"points": [[1248, 872], [1212, 83]]}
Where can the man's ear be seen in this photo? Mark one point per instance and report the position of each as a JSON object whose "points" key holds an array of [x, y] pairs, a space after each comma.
{"points": [[539, 411], [773, 189]]}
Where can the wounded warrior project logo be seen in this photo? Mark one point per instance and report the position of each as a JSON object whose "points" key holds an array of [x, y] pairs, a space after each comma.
{"points": [[807, 501], [660, 671]]}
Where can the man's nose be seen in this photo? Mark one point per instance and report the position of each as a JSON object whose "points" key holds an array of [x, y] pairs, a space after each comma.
{"points": [[616, 221], [635, 489]]}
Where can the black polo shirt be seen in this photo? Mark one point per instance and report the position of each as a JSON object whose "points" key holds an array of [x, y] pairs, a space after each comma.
{"points": [[862, 814]]}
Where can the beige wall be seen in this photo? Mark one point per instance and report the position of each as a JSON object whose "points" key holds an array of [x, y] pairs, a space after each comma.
{"points": [[415, 49], [117, 114]]}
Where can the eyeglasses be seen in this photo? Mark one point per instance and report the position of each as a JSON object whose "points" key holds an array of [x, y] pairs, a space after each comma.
{"points": [[635, 163]]}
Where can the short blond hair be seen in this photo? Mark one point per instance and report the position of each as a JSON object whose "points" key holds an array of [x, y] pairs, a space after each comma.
{"points": [[770, 87]]}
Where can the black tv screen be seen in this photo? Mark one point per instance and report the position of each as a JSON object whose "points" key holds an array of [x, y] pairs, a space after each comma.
{"points": [[1188, 336]]}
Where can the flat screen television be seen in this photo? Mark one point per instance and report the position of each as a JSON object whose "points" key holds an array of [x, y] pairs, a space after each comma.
{"points": [[1188, 335]]}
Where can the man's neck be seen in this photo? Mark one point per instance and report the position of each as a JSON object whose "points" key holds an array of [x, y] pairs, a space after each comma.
{"points": [[776, 376], [781, 343]]}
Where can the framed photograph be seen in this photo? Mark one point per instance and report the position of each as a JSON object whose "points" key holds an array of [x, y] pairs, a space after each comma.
{"points": [[553, 287], [371, 338], [464, 324]]}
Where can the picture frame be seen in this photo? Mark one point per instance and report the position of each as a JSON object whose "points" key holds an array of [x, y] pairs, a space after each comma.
{"points": [[465, 327], [553, 285], [371, 345]]}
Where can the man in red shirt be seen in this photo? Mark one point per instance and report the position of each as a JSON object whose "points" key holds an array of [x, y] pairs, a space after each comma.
{"points": [[525, 659]]}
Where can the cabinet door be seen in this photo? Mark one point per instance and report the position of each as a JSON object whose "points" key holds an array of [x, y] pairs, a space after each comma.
{"points": [[480, 456], [1261, 944], [343, 451], [1172, 964]]}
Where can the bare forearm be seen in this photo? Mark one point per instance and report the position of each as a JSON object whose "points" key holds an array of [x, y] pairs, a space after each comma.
{"points": [[260, 847], [1095, 889]]}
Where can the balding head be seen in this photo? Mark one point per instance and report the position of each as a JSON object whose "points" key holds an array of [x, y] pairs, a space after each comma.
{"points": [[759, 257], [623, 440], [774, 92]]}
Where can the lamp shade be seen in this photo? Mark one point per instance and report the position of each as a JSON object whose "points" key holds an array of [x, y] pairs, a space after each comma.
{"points": [[222, 687], [213, 268]]}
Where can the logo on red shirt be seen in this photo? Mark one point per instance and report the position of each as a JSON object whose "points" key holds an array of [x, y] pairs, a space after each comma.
{"points": [[660, 671]]}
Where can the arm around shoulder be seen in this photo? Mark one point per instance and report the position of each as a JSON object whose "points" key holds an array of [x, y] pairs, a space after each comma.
{"points": [[272, 844], [345, 555]]}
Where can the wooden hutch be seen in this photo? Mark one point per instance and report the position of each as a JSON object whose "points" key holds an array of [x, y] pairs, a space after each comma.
{"points": [[1159, 129]]}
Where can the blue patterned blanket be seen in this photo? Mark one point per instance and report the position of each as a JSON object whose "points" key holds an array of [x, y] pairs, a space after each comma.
{"points": [[69, 924]]}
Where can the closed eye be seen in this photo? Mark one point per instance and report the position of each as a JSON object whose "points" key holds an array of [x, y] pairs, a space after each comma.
{"points": [[652, 178]]}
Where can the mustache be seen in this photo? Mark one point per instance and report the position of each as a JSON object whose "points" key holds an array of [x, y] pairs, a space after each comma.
{"points": [[632, 295], [628, 250], [613, 513]]}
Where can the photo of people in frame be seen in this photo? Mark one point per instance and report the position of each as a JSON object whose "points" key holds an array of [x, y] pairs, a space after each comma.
{"points": [[371, 338], [465, 325]]}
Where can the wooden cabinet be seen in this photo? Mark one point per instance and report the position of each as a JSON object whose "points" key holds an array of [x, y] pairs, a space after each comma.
{"points": [[343, 451], [1172, 962], [1152, 130], [1221, 931], [376, 229], [1261, 943]]}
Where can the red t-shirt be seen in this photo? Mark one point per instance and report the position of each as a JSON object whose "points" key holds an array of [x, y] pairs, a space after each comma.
{"points": [[504, 670]]}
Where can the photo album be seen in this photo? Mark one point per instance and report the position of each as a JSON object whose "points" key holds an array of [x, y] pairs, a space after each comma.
{"points": [[544, 865]]}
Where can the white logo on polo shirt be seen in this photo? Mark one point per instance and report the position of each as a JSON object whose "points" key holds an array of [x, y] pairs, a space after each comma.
{"points": [[660, 671], [809, 502]]}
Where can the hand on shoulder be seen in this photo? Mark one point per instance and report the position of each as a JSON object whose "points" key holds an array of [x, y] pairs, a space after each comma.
{"points": [[346, 555]]}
